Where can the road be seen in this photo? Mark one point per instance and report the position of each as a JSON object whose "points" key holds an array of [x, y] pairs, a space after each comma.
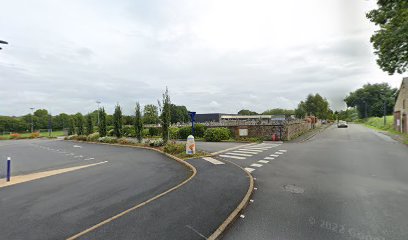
{"points": [[64, 205], [348, 183]]}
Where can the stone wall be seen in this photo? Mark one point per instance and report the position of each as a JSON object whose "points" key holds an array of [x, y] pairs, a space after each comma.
{"points": [[285, 132]]}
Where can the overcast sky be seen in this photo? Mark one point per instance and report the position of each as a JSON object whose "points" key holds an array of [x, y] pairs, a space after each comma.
{"points": [[215, 56]]}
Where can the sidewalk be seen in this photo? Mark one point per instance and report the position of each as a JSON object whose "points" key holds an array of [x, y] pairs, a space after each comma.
{"points": [[311, 133]]}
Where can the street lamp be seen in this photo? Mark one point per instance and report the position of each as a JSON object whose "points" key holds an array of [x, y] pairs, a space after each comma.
{"points": [[32, 123], [98, 102]]}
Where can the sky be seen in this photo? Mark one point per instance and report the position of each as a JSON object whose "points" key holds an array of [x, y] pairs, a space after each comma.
{"points": [[213, 55]]}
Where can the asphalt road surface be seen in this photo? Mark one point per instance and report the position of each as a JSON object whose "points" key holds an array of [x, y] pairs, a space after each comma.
{"points": [[60, 206], [348, 183]]}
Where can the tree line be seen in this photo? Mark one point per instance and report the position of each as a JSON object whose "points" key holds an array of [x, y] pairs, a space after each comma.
{"points": [[85, 124]]}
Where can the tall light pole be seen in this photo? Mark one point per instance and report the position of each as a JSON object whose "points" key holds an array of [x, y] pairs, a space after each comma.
{"points": [[32, 123], [98, 102]]}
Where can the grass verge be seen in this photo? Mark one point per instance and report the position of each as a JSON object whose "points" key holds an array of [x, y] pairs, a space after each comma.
{"points": [[377, 123]]}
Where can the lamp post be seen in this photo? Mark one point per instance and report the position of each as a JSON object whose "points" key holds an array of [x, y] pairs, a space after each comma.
{"points": [[98, 102], [32, 123]]}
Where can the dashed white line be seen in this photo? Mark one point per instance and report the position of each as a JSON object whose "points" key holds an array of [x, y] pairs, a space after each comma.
{"points": [[269, 158], [229, 156], [263, 161], [282, 150], [212, 160], [274, 155], [246, 149], [238, 154], [263, 149], [245, 152], [280, 153], [256, 165], [87, 159], [249, 169]]}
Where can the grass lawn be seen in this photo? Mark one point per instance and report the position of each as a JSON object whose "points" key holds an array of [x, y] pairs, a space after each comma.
{"points": [[27, 135], [377, 123]]}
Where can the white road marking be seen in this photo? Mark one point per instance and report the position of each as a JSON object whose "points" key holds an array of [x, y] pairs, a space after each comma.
{"points": [[263, 161], [282, 150], [87, 159], [258, 148], [246, 149], [256, 165], [79, 156], [269, 158], [229, 156], [252, 200], [280, 153], [274, 155], [249, 169], [245, 152], [239, 154], [242, 216], [212, 160], [77, 146]]}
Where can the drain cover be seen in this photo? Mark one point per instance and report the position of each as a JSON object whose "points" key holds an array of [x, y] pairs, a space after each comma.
{"points": [[293, 188]]}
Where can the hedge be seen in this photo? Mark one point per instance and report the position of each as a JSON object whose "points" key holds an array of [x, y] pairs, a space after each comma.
{"points": [[199, 130], [217, 134]]}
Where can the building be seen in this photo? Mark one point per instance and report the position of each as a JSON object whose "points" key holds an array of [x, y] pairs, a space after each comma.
{"points": [[401, 108], [208, 117]]}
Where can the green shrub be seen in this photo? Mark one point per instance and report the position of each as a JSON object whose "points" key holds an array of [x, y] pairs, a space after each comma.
{"points": [[81, 138], [108, 140], [217, 134], [156, 143], [174, 133], [145, 132], [154, 131], [199, 130], [129, 131], [174, 148], [93, 137], [71, 137], [110, 133], [184, 132], [124, 141]]}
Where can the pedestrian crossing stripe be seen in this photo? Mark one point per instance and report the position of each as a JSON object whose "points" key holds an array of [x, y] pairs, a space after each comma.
{"points": [[238, 154], [229, 156]]}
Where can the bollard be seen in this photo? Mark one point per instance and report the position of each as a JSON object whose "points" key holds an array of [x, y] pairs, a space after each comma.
{"points": [[8, 168]]}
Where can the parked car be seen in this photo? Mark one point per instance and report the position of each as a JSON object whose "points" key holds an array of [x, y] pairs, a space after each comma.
{"points": [[342, 124]]}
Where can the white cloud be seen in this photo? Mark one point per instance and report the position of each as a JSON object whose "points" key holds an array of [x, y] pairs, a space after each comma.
{"points": [[219, 55]]}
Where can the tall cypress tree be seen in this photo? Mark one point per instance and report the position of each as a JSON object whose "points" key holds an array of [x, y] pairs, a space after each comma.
{"points": [[138, 123], [102, 122], [165, 117], [89, 124], [71, 126], [80, 123], [117, 122]]}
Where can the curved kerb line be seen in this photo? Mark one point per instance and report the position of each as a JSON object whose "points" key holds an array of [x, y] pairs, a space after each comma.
{"points": [[145, 202], [237, 210]]}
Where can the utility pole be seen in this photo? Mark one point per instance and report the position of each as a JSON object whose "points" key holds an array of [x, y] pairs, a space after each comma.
{"points": [[32, 123], [385, 112]]}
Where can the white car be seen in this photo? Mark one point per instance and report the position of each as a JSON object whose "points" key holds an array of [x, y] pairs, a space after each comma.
{"points": [[342, 124]]}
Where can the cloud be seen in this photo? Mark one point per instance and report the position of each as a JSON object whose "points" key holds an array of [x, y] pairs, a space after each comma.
{"points": [[213, 55]]}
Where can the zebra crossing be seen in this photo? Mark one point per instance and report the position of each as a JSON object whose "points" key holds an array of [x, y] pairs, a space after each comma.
{"points": [[249, 151]]}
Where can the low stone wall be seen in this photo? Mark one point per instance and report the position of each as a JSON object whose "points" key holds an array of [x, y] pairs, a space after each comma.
{"points": [[286, 131], [294, 130]]}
